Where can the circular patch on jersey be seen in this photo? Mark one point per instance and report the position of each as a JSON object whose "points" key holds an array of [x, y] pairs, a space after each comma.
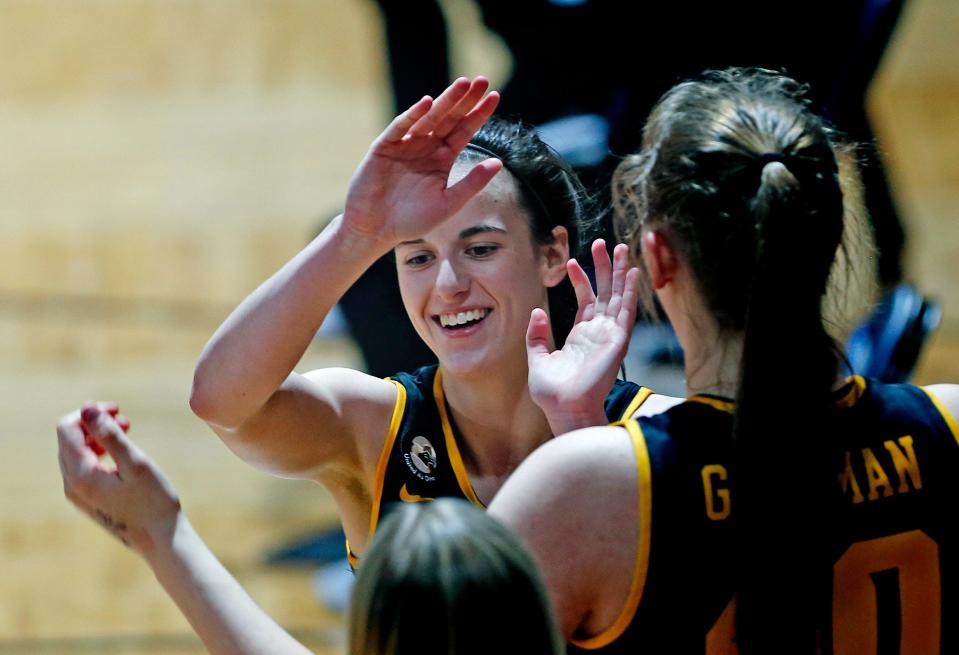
{"points": [[423, 455]]}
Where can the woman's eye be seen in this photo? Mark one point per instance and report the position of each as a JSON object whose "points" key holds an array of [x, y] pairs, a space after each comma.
{"points": [[419, 260], [481, 250]]}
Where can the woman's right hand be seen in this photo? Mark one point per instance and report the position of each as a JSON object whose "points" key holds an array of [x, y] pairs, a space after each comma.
{"points": [[400, 191], [130, 498]]}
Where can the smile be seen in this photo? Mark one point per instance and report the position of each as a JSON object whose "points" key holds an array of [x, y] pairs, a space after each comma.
{"points": [[459, 320]]}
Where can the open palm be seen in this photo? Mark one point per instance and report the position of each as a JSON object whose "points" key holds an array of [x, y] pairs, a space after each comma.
{"points": [[571, 384]]}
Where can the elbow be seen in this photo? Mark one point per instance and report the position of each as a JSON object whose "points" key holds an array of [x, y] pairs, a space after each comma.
{"points": [[201, 400], [204, 402]]}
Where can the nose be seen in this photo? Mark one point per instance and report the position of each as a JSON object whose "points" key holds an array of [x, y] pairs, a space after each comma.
{"points": [[451, 282]]}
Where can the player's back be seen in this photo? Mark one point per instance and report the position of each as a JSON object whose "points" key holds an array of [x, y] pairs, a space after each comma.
{"points": [[896, 549], [891, 536]]}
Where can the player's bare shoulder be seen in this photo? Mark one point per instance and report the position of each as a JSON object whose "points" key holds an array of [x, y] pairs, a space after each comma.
{"points": [[362, 405], [948, 397]]}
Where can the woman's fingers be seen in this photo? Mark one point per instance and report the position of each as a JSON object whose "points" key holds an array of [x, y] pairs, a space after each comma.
{"points": [[583, 290], [76, 458], [472, 183], [620, 267], [442, 106], [604, 274], [626, 316], [537, 335], [473, 121], [400, 125], [110, 434], [454, 115]]}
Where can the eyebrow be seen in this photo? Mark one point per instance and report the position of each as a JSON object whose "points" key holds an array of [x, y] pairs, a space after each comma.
{"points": [[465, 234]]}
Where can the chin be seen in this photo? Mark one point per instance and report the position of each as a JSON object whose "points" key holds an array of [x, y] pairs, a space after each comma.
{"points": [[466, 363]]}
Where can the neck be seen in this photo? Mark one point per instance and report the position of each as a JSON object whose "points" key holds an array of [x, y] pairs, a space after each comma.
{"points": [[712, 357], [498, 421], [712, 367]]}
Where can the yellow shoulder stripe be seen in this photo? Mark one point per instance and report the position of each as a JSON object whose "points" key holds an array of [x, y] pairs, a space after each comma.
{"points": [[946, 415], [456, 460], [399, 408], [644, 534], [722, 405], [858, 386], [636, 403]]}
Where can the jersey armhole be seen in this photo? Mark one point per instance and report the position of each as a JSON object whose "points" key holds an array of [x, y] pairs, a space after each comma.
{"points": [[399, 409], [644, 534], [945, 413]]}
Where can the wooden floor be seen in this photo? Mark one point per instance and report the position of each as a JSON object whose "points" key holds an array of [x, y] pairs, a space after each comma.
{"points": [[159, 160]]}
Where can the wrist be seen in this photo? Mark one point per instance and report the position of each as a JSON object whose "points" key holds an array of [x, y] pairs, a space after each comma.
{"points": [[350, 233], [563, 418], [155, 540]]}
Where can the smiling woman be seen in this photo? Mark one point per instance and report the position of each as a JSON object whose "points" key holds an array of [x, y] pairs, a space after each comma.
{"points": [[483, 217]]}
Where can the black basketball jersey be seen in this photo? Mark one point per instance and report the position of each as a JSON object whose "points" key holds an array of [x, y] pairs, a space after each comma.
{"points": [[421, 460], [894, 544]]}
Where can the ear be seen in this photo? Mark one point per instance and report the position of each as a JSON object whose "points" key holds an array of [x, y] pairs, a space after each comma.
{"points": [[554, 257], [659, 257]]}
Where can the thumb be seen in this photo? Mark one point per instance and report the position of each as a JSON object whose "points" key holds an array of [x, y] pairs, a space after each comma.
{"points": [[472, 183], [537, 334]]}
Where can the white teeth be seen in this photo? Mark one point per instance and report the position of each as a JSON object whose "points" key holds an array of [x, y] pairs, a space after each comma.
{"points": [[448, 320]]}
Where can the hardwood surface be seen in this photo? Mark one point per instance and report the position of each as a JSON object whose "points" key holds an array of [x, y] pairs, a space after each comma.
{"points": [[158, 160]]}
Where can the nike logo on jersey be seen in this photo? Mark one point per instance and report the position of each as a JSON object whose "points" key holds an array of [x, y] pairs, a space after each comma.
{"points": [[407, 497]]}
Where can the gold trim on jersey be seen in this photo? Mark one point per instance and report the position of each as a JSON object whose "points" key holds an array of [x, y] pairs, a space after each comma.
{"points": [[456, 460], [856, 384], [638, 584], [395, 420], [857, 388], [727, 406], [945, 413], [641, 396]]}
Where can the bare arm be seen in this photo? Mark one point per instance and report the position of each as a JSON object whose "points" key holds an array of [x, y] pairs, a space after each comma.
{"points": [[244, 386], [579, 525], [135, 502], [948, 396]]}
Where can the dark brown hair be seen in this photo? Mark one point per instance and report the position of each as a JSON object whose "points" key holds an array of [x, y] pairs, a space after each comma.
{"points": [[552, 194]]}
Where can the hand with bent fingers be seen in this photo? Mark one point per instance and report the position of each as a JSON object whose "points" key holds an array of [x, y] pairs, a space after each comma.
{"points": [[399, 191], [130, 497], [571, 384]]}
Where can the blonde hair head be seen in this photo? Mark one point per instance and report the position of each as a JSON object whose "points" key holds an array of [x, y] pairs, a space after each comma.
{"points": [[444, 577]]}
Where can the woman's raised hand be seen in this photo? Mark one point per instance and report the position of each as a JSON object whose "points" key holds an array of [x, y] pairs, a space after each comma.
{"points": [[571, 384], [400, 191]]}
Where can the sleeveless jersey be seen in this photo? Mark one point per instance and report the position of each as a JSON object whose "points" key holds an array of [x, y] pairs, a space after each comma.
{"points": [[895, 550], [421, 459]]}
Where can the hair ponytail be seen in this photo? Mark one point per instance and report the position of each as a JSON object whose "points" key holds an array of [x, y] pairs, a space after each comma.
{"points": [[782, 465]]}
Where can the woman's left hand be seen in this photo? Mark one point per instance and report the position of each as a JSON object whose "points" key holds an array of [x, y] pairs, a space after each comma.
{"points": [[570, 385]]}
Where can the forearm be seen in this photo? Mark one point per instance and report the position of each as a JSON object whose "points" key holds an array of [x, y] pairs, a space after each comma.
{"points": [[223, 615], [258, 345]]}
